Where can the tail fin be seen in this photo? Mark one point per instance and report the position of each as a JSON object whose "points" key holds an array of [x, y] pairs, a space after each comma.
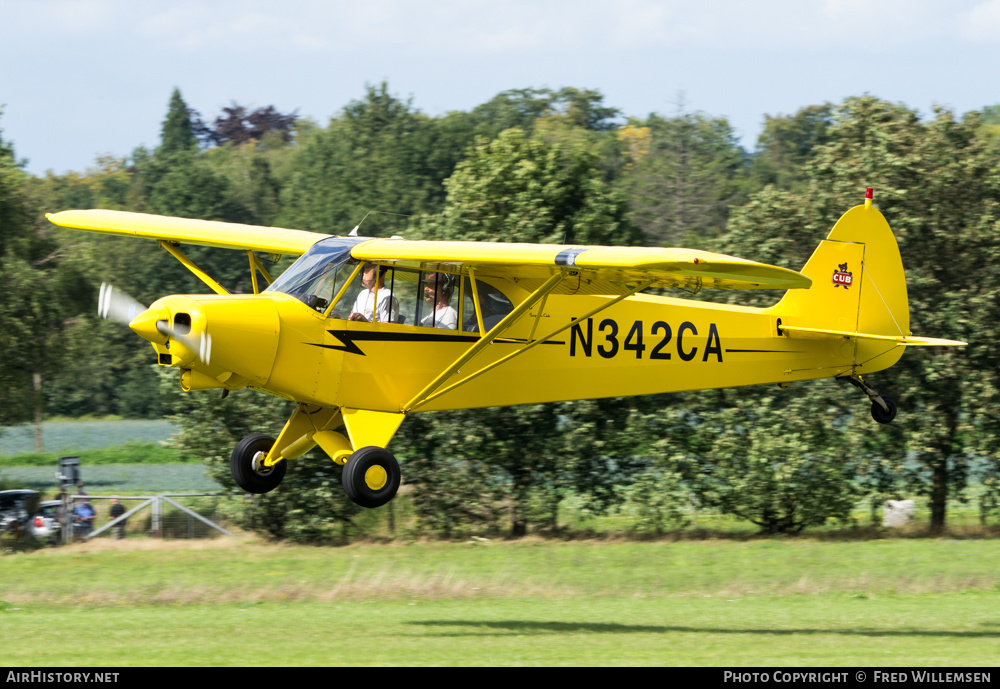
{"points": [[858, 290], [858, 282]]}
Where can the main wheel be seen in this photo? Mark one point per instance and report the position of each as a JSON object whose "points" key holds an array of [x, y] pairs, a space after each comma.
{"points": [[880, 414], [247, 465], [371, 476]]}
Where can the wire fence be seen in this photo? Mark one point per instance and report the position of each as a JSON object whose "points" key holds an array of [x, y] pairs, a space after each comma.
{"points": [[167, 515]]}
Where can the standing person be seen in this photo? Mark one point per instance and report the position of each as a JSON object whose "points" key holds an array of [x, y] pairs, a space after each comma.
{"points": [[438, 289], [83, 518], [373, 287], [117, 510]]}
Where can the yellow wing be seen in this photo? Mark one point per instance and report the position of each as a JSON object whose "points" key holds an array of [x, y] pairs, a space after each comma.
{"points": [[274, 240], [602, 269]]}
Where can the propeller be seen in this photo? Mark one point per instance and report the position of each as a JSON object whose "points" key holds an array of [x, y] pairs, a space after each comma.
{"points": [[115, 305]]}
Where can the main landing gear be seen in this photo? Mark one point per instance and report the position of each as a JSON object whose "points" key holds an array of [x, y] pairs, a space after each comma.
{"points": [[883, 408], [371, 474], [247, 465]]}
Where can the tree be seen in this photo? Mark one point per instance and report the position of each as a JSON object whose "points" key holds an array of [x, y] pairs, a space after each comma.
{"points": [[682, 176], [177, 134], [516, 189], [991, 125], [524, 108], [939, 187], [786, 144], [42, 291], [238, 126], [378, 155], [777, 464]]}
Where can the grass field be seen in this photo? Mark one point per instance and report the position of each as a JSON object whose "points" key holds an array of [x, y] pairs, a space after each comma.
{"points": [[836, 597], [531, 602]]}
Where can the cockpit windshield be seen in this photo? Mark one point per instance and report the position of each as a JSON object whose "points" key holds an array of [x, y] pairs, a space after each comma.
{"points": [[319, 273]]}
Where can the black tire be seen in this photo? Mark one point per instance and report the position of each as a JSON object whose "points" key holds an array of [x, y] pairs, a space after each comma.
{"points": [[371, 476], [880, 414], [241, 465]]}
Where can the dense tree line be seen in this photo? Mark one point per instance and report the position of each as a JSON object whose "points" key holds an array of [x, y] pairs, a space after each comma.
{"points": [[539, 165]]}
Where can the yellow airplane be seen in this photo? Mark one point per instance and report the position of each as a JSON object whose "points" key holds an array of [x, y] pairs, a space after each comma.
{"points": [[361, 332]]}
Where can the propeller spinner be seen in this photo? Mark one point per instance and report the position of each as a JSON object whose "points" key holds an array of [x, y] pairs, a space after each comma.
{"points": [[152, 325]]}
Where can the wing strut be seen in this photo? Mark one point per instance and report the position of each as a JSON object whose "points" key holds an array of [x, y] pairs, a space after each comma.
{"points": [[428, 394], [484, 341], [256, 265], [174, 251]]}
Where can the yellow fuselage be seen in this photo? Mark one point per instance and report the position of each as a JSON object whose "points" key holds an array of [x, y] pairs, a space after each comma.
{"points": [[641, 345]]}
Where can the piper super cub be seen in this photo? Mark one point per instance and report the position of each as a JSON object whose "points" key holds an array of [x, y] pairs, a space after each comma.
{"points": [[361, 332]]}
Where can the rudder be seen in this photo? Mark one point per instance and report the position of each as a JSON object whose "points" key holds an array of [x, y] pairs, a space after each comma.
{"points": [[858, 286]]}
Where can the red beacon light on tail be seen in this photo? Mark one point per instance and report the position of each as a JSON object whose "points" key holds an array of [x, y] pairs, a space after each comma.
{"points": [[869, 196]]}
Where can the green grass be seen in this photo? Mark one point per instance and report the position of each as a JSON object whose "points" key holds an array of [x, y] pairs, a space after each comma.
{"points": [[825, 630], [151, 572], [764, 602], [130, 453]]}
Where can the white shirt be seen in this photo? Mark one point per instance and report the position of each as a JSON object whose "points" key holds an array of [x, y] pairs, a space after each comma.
{"points": [[444, 317], [366, 300]]}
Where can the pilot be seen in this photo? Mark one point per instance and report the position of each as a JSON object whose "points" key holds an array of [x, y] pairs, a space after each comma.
{"points": [[373, 282], [438, 288]]}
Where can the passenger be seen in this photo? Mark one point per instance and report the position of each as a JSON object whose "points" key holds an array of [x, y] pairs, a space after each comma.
{"points": [[364, 305], [438, 288]]}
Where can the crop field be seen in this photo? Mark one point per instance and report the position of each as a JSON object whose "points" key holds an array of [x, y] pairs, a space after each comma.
{"points": [[118, 478], [790, 602], [74, 436]]}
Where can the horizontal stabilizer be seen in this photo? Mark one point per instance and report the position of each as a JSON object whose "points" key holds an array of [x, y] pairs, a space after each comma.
{"points": [[908, 341]]}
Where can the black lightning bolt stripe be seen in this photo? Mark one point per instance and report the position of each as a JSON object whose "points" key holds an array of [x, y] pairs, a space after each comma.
{"points": [[349, 337]]}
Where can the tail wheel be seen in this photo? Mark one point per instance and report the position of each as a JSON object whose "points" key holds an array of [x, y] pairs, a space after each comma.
{"points": [[371, 476], [247, 465], [881, 415]]}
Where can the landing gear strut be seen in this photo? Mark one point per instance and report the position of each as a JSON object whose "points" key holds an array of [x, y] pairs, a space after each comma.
{"points": [[883, 408]]}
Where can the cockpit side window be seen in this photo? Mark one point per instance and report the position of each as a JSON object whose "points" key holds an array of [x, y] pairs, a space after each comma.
{"points": [[437, 301], [492, 301], [358, 298]]}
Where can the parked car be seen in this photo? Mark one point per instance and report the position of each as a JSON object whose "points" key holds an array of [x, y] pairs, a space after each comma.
{"points": [[16, 510], [46, 524]]}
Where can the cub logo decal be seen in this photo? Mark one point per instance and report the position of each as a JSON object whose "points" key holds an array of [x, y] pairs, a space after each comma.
{"points": [[842, 277]]}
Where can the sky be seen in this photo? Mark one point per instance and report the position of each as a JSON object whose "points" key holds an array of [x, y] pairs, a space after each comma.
{"points": [[85, 78]]}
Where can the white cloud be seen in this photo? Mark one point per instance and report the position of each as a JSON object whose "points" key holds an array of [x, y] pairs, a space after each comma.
{"points": [[982, 22]]}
